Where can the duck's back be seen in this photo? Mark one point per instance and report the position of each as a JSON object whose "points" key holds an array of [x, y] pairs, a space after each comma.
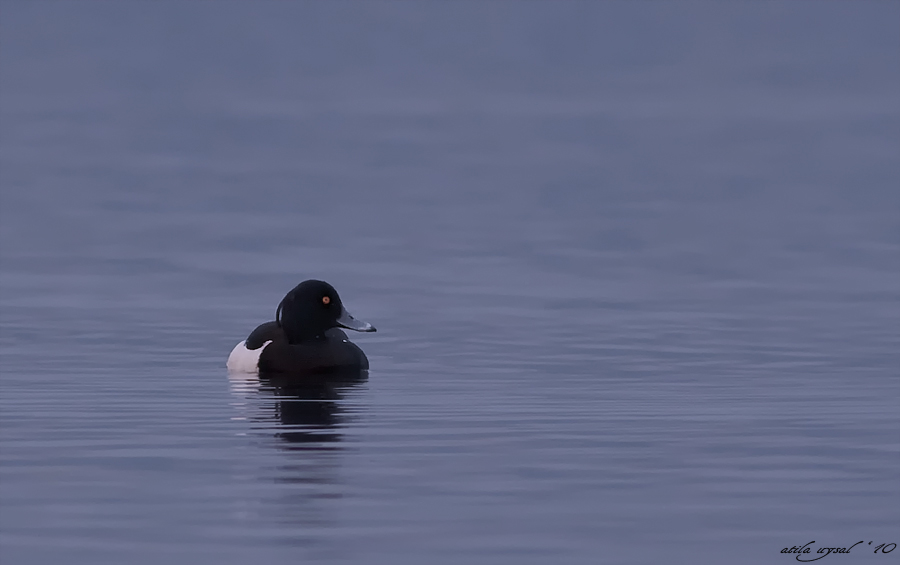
{"points": [[244, 358], [270, 331]]}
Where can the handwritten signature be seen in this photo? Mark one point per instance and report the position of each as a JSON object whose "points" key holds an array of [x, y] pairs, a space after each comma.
{"points": [[802, 551]]}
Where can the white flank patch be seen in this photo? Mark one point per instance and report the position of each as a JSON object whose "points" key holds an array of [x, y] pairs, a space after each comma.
{"points": [[243, 360]]}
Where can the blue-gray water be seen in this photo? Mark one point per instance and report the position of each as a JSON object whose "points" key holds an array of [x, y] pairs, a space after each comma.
{"points": [[635, 269]]}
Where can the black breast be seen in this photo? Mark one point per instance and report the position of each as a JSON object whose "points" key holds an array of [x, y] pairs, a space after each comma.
{"points": [[333, 353]]}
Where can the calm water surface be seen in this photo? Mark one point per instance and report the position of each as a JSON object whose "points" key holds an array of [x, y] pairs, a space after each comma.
{"points": [[635, 271]]}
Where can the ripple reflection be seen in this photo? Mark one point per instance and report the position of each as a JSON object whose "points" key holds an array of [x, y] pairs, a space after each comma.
{"points": [[305, 415]]}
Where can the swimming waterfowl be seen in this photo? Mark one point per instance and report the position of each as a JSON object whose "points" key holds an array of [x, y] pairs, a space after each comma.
{"points": [[304, 338]]}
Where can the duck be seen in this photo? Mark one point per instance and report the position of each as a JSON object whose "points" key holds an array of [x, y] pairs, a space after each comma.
{"points": [[306, 336]]}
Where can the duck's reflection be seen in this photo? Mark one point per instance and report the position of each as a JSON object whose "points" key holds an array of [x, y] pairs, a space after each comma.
{"points": [[304, 419], [304, 413]]}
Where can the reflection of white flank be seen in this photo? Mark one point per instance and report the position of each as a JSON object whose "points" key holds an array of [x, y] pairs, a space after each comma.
{"points": [[243, 360]]}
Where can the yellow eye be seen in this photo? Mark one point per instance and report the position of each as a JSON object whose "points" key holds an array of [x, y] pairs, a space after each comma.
{"points": [[326, 300]]}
